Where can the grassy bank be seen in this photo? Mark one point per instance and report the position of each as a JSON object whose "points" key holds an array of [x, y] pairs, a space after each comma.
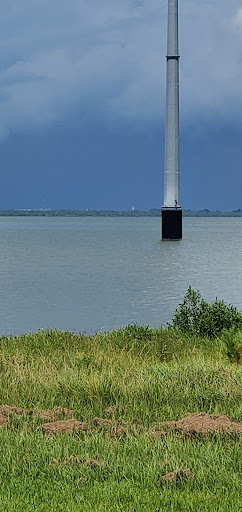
{"points": [[137, 377]]}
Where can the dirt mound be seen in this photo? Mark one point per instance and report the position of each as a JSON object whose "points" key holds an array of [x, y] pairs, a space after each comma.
{"points": [[180, 474], [64, 426], [102, 422], [11, 409], [117, 431], [44, 414], [202, 423], [3, 420], [53, 414]]}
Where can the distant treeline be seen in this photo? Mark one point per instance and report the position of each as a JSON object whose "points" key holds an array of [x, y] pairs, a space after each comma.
{"points": [[113, 213]]}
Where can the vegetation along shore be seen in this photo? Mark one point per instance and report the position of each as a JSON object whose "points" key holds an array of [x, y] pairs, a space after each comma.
{"points": [[47, 212], [138, 419]]}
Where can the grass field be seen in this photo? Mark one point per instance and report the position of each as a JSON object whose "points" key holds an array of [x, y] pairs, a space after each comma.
{"points": [[142, 376]]}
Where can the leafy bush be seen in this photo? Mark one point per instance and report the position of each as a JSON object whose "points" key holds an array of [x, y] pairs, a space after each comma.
{"points": [[188, 312], [195, 315], [232, 339]]}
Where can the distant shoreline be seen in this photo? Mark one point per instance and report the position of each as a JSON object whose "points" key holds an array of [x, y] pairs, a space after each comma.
{"points": [[114, 213]]}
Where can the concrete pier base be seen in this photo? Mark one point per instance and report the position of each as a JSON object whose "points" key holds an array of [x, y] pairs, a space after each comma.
{"points": [[171, 223]]}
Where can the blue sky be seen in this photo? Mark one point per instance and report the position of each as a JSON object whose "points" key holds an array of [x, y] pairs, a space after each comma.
{"points": [[82, 100]]}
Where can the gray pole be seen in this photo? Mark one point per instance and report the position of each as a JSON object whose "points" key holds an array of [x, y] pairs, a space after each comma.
{"points": [[171, 211]]}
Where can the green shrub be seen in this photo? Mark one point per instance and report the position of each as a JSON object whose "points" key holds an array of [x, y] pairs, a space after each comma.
{"points": [[232, 339], [195, 315], [188, 312]]}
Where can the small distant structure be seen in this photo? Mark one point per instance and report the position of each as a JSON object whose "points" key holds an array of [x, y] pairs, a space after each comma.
{"points": [[132, 209]]}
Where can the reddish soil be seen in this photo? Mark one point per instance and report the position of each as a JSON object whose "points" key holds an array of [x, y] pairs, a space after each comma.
{"points": [[64, 426], [174, 476], [201, 423]]}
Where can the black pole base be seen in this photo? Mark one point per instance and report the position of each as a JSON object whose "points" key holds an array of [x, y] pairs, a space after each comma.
{"points": [[171, 223]]}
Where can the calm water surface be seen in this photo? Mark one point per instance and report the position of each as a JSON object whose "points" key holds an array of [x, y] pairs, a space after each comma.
{"points": [[88, 274]]}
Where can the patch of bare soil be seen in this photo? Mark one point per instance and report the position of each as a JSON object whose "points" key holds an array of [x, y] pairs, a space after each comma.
{"points": [[180, 474], [102, 422], [64, 426], [117, 431], [3, 420], [11, 409], [53, 414], [44, 414], [201, 423]]}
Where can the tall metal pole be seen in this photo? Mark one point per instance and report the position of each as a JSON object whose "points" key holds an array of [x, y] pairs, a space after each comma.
{"points": [[171, 210]]}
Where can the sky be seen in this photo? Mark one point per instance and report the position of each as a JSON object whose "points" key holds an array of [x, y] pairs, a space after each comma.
{"points": [[82, 103]]}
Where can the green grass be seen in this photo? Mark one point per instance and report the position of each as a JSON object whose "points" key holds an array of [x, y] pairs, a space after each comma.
{"points": [[149, 375]]}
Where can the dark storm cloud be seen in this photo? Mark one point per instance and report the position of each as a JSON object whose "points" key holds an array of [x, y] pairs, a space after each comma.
{"points": [[105, 57]]}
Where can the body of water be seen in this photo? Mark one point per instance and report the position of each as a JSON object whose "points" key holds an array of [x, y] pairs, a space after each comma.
{"points": [[91, 274]]}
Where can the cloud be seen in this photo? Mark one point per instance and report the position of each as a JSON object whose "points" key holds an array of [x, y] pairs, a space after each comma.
{"points": [[108, 59], [238, 20]]}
